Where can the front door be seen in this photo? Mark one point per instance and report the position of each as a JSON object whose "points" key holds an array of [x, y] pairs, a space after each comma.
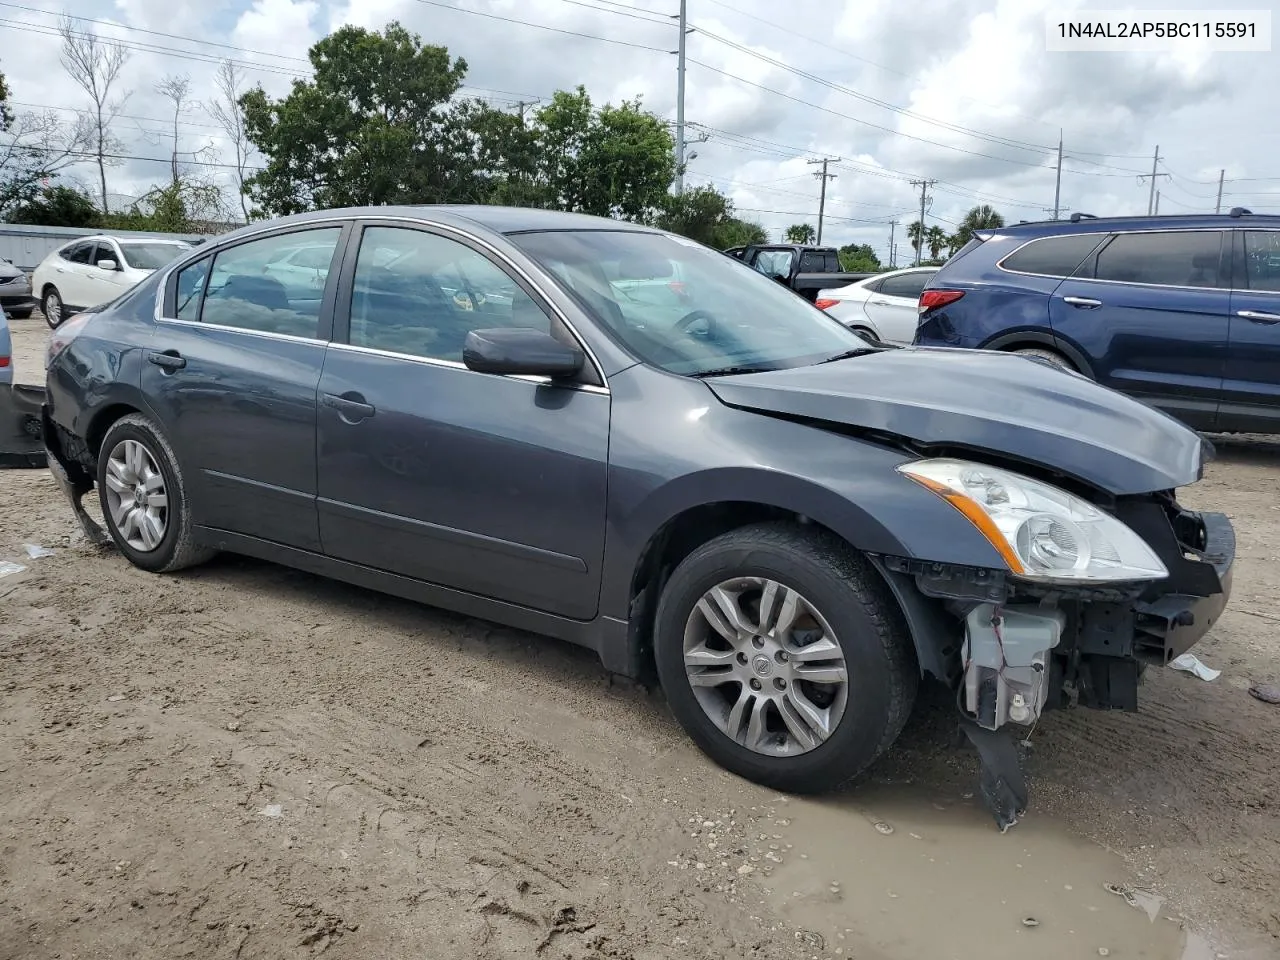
{"points": [[1150, 310], [232, 374], [489, 484], [72, 276], [1251, 387]]}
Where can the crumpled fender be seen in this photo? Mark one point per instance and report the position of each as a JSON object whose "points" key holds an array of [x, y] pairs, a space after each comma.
{"points": [[21, 433]]}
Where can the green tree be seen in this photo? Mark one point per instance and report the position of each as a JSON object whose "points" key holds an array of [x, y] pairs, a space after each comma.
{"points": [[176, 207], [706, 215], [34, 148], [935, 238], [801, 233], [916, 233], [982, 217], [954, 243], [373, 126], [58, 206], [859, 258]]}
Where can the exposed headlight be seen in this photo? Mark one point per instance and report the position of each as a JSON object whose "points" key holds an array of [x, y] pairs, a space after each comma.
{"points": [[1043, 533]]}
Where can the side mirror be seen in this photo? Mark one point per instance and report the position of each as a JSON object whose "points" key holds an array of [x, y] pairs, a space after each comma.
{"points": [[520, 351], [107, 265]]}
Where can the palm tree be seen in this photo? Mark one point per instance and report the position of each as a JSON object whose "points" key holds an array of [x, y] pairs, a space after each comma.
{"points": [[954, 243], [801, 233], [915, 233], [935, 239], [982, 217]]}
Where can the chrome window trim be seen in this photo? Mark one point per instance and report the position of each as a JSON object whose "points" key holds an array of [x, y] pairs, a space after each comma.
{"points": [[455, 365], [1106, 233], [493, 251]]}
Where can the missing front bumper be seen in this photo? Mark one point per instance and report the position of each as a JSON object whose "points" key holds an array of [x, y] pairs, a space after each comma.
{"points": [[72, 479]]}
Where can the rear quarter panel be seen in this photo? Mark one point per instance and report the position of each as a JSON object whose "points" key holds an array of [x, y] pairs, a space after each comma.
{"points": [[996, 304]]}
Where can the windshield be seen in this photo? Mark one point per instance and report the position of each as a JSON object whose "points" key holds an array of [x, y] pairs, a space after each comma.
{"points": [[151, 256], [686, 308]]}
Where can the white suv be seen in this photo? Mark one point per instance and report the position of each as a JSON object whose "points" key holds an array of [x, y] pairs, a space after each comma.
{"points": [[94, 270]]}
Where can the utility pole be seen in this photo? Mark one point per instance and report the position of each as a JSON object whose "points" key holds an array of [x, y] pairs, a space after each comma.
{"points": [[822, 198], [1156, 211], [893, 225], [924, 186], [1057, 186], [1151, 195], [1221, 176], [684, 29]]}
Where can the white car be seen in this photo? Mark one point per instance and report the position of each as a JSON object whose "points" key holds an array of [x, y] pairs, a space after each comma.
{"points": [[885, 306], [93, 270]]}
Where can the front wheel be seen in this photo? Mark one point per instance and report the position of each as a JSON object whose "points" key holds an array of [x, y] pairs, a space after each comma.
{"points": [[784, 656], [144, 498]]}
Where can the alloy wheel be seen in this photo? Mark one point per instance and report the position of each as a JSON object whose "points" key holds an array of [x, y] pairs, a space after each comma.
{"points": [[765, 666], [136, 496]]}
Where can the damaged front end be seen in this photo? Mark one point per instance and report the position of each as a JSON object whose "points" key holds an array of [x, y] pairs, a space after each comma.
{"points": [[21, 446], [1011, 647], [72, 475]]}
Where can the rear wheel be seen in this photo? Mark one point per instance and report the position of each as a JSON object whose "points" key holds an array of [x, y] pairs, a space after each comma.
{"points": [[866, 333], [144, 498], [21, 313], [784, 656], [1048, 356], [53, 307]]}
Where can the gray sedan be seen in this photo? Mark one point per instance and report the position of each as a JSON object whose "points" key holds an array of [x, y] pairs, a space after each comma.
{"points": [[714, 484], [15, 291]]}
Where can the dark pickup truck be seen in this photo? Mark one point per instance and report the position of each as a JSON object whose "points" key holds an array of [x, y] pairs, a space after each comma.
{"points": [[804, 269]]}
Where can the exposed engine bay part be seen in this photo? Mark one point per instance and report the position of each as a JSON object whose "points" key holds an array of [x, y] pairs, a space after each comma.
{"points": [[1006, 662], [21, 446], [1001, 783]]}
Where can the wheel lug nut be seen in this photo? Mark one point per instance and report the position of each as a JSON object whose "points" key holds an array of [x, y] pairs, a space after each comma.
{"points": [[780, 683], [757, 642], [781, 656], [755, 684], [742, 659]]}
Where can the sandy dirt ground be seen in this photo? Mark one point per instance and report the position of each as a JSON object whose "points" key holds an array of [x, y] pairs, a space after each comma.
{"points": [[244, 761]]}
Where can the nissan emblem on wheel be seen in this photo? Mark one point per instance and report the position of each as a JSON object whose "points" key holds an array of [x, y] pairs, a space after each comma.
{"points": [[611, 435]]}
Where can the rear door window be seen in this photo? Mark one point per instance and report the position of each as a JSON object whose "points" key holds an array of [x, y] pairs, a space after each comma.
{"points": [[1262, 260], [1189, 258], [1049, 256], [908, 285]]}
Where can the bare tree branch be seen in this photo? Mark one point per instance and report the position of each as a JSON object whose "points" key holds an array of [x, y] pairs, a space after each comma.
{"points": [[175, 89], [95, 65], [226, 111], [34, 148]]}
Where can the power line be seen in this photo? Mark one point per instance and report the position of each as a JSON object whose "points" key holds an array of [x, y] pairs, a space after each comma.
{"points": [[540, 26]]}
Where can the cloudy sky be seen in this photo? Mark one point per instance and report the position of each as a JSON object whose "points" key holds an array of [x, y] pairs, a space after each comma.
{"points": [[961, 92]]}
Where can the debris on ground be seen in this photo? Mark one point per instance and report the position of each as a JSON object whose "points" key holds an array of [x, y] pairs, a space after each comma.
{"points": [[1266, 692], [36, 552], [1190, 663], [7, 568]]}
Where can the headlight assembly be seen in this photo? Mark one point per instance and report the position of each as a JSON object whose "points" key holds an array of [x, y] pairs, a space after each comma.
{"points": [[1043, 533]]}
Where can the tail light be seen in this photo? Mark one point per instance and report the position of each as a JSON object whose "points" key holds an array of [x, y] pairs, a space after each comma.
{"points": [[932, 299], [822, 303], [63, 334], [4, 360], [678, 287]]}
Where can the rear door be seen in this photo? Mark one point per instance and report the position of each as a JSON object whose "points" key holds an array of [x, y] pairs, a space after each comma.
{"points": [[1149, 309], [893, 307], [1251, 383], [232, 375]]}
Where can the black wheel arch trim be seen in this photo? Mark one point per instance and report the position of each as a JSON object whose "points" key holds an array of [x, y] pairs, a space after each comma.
{"points": [[1041, 338]]}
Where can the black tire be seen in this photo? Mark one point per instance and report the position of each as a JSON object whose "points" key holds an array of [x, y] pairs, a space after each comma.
{"points": [[868, 626], [177, 549], [22, 313], [1048, 356], [50, 299]]}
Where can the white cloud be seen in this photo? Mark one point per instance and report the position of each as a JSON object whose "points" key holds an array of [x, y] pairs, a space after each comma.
{"points": [[975, 64]]}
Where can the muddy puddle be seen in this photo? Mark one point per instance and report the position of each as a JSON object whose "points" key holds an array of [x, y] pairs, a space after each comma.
{"points": [[894, 875]]}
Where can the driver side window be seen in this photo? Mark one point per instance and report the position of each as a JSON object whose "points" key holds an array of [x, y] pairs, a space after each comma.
{"points": [[420, 294]]}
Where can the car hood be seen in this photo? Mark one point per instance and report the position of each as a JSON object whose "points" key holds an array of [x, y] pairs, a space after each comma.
{"points": [[1008, 405]]}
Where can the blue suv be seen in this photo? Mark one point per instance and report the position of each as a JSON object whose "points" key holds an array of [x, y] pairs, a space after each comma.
{"points": [[1180, 312]]}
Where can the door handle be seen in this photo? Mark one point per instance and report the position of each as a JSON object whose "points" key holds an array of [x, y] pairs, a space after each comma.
{"points": [[351, 407], [168, 360], [1258, 317], [1084, 303], [882, 303]]}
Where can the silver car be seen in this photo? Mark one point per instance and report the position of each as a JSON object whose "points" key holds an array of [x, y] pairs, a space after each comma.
{"points": [[15, 291]]}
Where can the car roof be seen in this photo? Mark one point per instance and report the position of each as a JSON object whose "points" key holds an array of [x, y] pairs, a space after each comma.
{"points": [[498, 219], [1087, 224]]}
